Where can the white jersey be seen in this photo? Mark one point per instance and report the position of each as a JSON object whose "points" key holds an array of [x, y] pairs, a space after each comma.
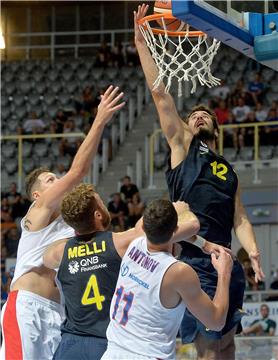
{"points": [[32, 245], [139, 323]]}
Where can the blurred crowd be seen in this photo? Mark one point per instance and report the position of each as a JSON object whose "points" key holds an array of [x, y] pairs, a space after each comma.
{"points": [[243, 104]]}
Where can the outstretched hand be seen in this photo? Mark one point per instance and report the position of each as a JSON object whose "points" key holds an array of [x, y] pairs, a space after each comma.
{"points": [[139, 14], [211, 248], [256, 265], [110, 103]]}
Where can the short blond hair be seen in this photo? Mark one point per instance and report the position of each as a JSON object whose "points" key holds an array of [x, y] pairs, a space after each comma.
{"points": [[78, 208]]}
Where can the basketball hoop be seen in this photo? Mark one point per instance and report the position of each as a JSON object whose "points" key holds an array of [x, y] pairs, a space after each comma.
{"points": [[185, 59]]}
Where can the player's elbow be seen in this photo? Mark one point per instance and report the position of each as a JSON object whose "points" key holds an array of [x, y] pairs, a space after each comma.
{"points": [[195, 226], [217, 323]]}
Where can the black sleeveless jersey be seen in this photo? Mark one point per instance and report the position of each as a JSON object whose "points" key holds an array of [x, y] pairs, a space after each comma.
{"points": [[88, 275], [208, 183]]}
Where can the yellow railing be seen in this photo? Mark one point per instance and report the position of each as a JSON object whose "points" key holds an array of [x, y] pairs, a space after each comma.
{"points": [[20, 139], [220, 142]]}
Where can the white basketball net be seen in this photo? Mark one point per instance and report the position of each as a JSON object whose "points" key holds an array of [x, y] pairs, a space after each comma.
{"points": [[177, 64]]}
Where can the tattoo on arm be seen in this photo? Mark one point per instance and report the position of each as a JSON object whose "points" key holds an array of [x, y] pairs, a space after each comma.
{"points": [[26, 222]]}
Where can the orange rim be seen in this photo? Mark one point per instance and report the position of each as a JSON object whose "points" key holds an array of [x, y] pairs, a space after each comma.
{"points": [[162, 31]]}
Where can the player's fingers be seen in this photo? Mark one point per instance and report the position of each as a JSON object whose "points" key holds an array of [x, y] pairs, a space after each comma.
{"points": [[112, 94], [108, 91], [117, 107], [117, 98]]}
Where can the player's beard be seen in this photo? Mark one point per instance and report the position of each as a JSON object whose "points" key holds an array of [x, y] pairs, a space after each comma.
{"points": [[205, 135]]}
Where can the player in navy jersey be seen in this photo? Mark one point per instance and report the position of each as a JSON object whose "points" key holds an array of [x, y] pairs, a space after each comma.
{"points": [[207, 182], [89, 264]]}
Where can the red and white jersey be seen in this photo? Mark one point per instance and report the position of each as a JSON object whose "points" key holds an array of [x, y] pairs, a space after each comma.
{"points": [[139, 323], [32, 245]]}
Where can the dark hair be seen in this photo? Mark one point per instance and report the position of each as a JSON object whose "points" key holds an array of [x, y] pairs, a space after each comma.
{"points": [[202, 107], [127, 177], [32, 180], [78, 208], [160, 221]]}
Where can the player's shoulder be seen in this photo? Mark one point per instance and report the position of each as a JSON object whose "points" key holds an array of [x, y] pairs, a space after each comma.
{"points": [[179, 271]]}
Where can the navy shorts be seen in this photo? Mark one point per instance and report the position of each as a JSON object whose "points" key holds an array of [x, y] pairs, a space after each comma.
{"points": [[190, 326], [76, 347]]}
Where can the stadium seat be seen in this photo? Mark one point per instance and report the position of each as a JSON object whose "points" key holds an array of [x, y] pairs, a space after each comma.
{"points": [[81, 74], [230, 154], [266, 152], [18, 99], [29, 165], [247, 154], [34, 99], [25, 86], [49, 98], [40, 149], [8, 149], [97, 73], [11, 166], [40, 88], [46, 162]]}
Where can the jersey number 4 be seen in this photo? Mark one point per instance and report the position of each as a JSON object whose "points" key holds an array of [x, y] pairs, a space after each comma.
{"points": [[92, 286], [128, 298], [219, 170]]}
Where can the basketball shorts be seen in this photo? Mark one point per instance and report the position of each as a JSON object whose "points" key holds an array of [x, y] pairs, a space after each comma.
{"points": [[76, 347], [30, 327], [190, 326], [115, 352]]}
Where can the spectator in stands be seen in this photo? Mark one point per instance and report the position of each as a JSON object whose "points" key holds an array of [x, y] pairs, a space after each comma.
{"points": [[251, 284], [132, 58], [19, 209], [240, 111], [261, 327], [12, 194], [238, 91], [260, 112], [222, 112], [60, 119], [274, 286], [230, 135], [272, 131], [117, 55], [274, 105], [5, 211], [71, 144], [247, 134], [118, 211], [103, 55], [256, 88], [221, 92], [128, 189], [11, 241], [34, 125], [135, 209]]}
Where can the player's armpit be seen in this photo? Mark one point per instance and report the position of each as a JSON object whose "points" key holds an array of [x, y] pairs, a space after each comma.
{"points": [[53, 255]]}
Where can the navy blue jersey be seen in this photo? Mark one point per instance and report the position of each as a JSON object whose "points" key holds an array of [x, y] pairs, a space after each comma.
{"points": [[208, 183], [88, 275]]}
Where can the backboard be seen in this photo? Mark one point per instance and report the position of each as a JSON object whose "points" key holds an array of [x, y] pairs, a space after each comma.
{"points": [[250, 27]]}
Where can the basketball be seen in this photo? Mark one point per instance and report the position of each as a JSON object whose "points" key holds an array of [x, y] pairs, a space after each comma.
{"points": [[165, 7]]}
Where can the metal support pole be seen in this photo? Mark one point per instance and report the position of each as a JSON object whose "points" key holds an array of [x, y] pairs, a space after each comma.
{"points": [[96, 170], [256, 155], [139, 168], [105, 151], [129, 170]]}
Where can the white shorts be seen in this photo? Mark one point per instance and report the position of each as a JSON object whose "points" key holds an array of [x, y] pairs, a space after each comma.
{"points": [[115, 352], [30, 327]]}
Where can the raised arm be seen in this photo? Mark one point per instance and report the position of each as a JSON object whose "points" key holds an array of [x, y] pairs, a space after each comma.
{"points": [[50, 199], [212, 313], [245, 234], [177, 133]]}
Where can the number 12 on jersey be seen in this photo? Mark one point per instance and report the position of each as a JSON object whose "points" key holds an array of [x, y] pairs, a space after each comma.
{"points": [[128, 298]]}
